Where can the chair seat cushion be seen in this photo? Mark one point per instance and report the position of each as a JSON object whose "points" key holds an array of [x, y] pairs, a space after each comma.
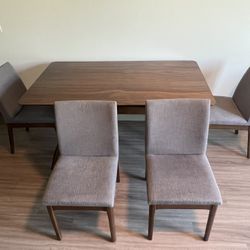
{"points": [[225, 112], [82, 181], [34, 114], [181, 180]]}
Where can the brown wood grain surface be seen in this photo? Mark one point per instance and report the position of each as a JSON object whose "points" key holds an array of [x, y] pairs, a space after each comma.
{"points": [[128, 83]]}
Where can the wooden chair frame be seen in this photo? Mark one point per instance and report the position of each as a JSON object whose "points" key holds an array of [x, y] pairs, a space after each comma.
{"points": [[109, 210], [212, 211], [11, 126], [236, 128]]}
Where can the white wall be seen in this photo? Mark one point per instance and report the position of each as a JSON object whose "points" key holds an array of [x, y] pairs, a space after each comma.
{"points": [[215, 33]]}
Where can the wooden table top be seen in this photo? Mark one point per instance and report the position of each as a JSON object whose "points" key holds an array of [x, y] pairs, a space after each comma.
{"points": [[128, 83]]}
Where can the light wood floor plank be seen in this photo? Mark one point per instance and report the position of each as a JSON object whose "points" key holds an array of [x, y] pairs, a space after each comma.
{"points": [[24, 223]]}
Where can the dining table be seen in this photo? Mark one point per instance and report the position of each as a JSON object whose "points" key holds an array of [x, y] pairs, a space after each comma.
{"points": [[129, 83]]}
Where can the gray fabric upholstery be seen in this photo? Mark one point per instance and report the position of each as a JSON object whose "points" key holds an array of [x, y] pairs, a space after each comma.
{"points": [[87, 128], [85, 174], [82, 181], [177, 126], [225, 112], [178, 172], [11, 89], [34, 114], [241, 96], [181, 179]]}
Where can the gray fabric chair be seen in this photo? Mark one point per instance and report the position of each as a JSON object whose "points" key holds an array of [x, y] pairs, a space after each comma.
{"points": [[15, 115], [234, 112], [84, 176], [178, 173]]}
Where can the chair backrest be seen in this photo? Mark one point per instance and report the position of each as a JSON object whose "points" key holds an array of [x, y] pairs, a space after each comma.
{"points": [[87, 128], [241, 95], [178, 126], [11, 90]]}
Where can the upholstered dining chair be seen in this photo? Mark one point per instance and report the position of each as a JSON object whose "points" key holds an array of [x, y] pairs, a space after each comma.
{"points": [[179, 175], [84, 176], [234, 112], [15, 115]]}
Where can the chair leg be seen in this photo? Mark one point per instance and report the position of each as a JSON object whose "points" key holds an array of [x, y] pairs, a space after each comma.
{"points": [[54, 222], [210, 221], [236, 131], [248, 144], [111, 217], [151, 221], [11, 140], [55, 157], [118, 173]]}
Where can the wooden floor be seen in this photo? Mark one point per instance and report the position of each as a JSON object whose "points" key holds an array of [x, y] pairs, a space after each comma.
{"points": [[24, 223]]}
